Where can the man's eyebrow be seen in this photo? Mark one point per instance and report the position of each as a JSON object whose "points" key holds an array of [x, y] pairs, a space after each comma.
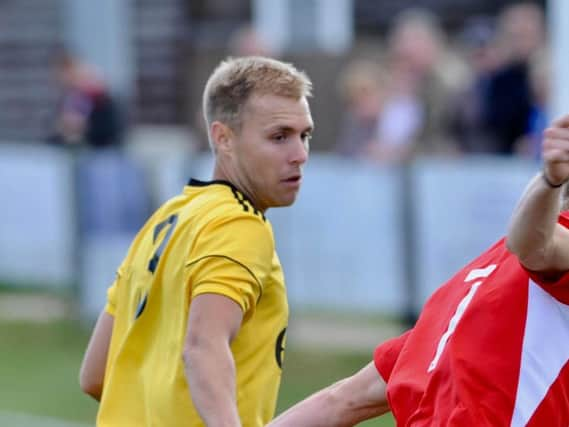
{"points": [[281, 128], [285, 128]]}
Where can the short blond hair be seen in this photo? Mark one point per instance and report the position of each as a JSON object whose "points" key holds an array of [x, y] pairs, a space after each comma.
{"points": [[235, 80]]}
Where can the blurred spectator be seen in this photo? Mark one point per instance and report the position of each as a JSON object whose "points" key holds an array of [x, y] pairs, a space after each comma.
{"points": [[399, 123], [529, 145], [246, 41], [521, 33], [113, 196], [478, 43], [382, 115], [87, 112], [361, 85], [390, 119], [426, 75]]}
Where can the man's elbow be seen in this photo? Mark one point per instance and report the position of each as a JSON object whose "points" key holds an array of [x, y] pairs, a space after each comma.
{"points": [[197, 346], [90, 386], [532, 258], [511, 244], [517, 245], [190, 347], [191, 355]]}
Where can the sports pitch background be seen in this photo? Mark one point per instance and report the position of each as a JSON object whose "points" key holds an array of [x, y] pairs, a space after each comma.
{"points": [[39, 365]]}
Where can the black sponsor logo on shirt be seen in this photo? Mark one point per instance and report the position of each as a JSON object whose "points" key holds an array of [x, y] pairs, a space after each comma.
{"points": [[280, 348]]}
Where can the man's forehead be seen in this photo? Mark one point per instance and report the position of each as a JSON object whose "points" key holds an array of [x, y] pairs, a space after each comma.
{"points": [[267, 104], [268, 108]]}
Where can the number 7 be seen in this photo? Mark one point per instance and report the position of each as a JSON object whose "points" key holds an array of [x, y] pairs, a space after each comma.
{"points": [[477, 273], [171, 222]]}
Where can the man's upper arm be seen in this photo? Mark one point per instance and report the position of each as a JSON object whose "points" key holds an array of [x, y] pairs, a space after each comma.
{"points": [[213, 316], [92, 372]]}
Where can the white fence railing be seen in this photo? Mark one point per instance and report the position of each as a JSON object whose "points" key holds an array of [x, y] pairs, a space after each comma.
{"points": [[359, 237]]}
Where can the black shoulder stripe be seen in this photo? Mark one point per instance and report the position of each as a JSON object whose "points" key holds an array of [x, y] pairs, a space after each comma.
{"points": [[240, 199], [246, 204], [243, 200]]}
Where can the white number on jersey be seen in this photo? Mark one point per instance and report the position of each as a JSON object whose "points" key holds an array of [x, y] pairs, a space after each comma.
{"points": [[477, 273]]}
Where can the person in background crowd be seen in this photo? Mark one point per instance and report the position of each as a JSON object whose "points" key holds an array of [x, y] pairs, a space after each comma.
{"points": [[477, 41], [87, 112], [521, 34], [362, 86], [424, 78], [529, 144]]}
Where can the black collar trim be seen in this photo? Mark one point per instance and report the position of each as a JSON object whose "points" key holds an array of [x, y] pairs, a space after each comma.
{"points": [[239, 195]]}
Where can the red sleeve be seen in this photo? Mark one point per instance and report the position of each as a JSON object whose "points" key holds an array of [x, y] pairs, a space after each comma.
{"points": [[544, 279], [387, 353], [563, 219], [556, 285], [555, 280]]}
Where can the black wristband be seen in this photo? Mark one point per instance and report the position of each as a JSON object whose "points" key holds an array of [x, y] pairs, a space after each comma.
{"points": [[548, 182]]}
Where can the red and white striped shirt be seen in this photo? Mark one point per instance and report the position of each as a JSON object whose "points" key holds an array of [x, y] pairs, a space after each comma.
{"points": [[491, 348]]}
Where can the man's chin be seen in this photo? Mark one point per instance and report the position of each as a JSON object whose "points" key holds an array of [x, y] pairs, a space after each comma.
{"points": [[284, 202]]}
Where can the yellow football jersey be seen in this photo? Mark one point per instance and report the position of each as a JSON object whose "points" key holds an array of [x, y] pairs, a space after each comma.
{"points": [[210, 239]]}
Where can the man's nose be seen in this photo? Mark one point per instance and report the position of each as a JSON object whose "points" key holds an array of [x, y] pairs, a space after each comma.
{"points": [[300, 151]]}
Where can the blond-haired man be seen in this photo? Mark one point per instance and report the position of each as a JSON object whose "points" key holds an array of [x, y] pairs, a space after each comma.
{"points": [[194, 328]]}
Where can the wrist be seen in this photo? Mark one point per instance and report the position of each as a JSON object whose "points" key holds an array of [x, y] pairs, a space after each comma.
{"points": [[549, 182]]}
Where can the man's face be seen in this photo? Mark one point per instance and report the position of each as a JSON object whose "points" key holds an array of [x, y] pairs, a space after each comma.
{"points": [[271, 147]]}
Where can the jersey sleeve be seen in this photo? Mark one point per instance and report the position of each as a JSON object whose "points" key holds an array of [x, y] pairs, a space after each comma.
{"points": [[555, 281], [232, 257], [111, 304], [548, 280], [387, 353]]}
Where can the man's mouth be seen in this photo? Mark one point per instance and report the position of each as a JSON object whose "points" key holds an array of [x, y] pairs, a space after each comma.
{"points": [[293, 179]]}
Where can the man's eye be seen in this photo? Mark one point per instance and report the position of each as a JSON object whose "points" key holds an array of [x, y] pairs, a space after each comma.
{"points": [[279, 137]]}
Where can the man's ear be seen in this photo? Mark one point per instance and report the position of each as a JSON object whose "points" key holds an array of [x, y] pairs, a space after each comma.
{"points": [[222, 137]]}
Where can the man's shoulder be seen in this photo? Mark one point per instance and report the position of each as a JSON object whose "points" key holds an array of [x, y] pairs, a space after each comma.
{"points": [[222, 201], [220, 222], [484, 265], [225, 218], [224, 208]]}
